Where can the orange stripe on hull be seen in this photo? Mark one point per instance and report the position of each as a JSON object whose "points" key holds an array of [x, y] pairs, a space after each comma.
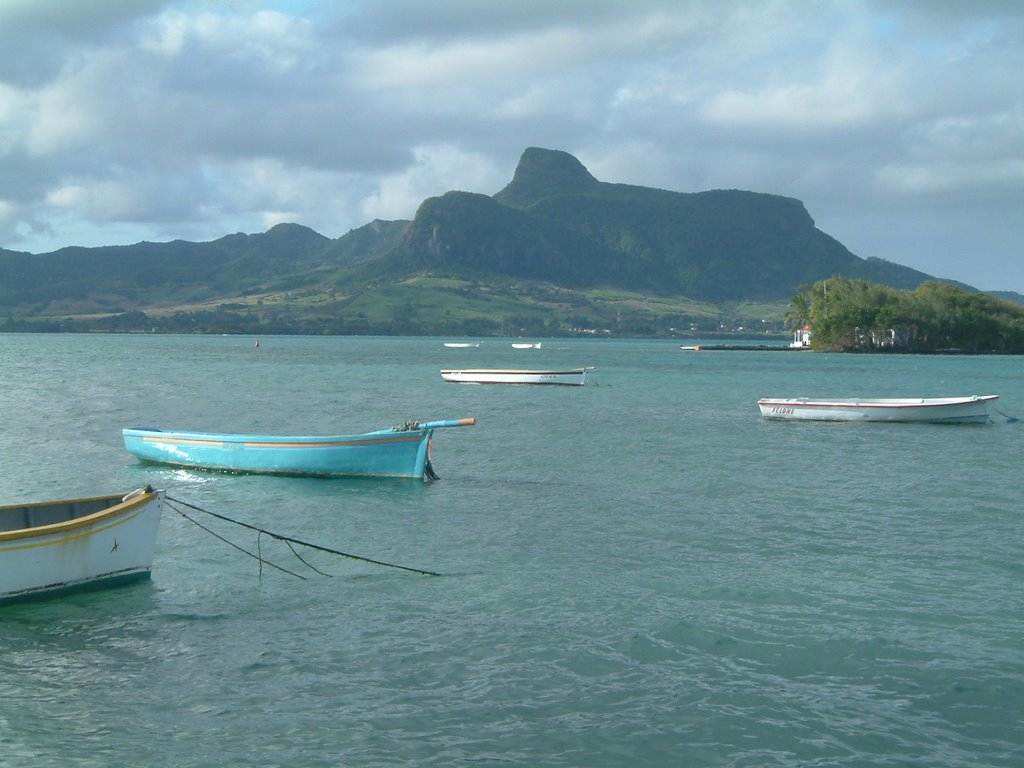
{"points": [[325, 444]]}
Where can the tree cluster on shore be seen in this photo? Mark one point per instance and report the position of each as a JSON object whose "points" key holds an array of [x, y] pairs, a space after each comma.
{"points": [[848, 315]]}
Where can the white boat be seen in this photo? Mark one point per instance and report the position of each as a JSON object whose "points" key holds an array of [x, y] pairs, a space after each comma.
{"points": [[526, 345], [49, 548], [945, 410], [461, 344], [570, 376]]}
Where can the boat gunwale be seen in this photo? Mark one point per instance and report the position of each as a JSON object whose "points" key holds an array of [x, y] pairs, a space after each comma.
{"points": [[518, 371], [121, 508], [277, 441]]}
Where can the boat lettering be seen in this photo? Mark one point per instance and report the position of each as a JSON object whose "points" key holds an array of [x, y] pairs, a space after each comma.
{"points": [[782, 410]]}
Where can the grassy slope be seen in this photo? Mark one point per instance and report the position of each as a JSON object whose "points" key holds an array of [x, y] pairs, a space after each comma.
{"points": [[435, 305]]}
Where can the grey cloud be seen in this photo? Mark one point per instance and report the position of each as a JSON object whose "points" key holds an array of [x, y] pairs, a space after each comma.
{"points": [[38, 36], [222, 117]]}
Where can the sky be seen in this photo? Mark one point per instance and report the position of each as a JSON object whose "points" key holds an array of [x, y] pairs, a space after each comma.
{"points": [[899, 125]]}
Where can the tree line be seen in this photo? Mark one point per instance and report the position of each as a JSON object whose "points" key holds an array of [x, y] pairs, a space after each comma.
{"points": [[848, 315]]}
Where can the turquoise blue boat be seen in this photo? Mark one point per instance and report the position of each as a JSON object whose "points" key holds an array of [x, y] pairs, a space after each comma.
{"points": [[402, 451]]}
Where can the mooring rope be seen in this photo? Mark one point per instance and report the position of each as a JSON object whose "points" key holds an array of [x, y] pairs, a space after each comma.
{"points": [[230, 543], [286, 539], [428, 470], [1009, 419]]}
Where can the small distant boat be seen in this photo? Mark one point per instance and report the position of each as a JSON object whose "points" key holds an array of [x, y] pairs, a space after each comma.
{"points": [[55, 547], [526, 345], [690, 347], [402, 452], [945, 410], [571, 376], [461, 344]]}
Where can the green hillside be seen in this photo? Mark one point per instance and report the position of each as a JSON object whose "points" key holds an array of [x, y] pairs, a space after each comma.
{"points": [[555, 222], [555, 251]]}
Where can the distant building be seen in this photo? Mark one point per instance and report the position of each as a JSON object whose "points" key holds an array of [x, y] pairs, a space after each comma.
{"points": [[801, 338]]}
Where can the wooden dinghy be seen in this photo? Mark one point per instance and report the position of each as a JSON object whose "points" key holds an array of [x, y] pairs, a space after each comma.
{"points": [[400, 452], [53, 547]]}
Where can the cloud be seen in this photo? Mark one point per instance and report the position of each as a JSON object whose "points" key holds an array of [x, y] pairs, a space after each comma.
{"points": [[436, 170], [38, 37], [194, 119]]}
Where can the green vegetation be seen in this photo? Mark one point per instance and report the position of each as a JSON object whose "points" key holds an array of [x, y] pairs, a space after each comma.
{"points": [[556, 223], [849, 315], [556, 252], [427, 305]]}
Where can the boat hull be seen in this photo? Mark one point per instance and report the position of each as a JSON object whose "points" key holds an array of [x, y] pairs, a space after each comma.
{"points": [[944, 410], [573, 377], [385, 453], [51, 548]]}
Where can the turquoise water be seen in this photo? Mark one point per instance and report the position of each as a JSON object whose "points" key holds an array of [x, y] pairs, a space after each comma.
{"points": [[642, 572]]}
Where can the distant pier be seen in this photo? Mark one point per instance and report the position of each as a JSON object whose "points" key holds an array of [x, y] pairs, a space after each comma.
{"points": [[742, 348]]}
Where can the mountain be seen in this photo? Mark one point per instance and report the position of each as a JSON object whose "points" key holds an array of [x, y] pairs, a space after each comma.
{"points": [[556, 222], [554, 243], [146, 274], [1012, 296]]}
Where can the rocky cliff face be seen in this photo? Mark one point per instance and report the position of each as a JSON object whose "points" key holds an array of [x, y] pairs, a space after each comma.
{"points": [[555, 222]]}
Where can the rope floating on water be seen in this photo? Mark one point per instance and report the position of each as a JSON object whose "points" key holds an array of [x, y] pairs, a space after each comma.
{"points": [[230, 543], [280, 537], [1009, 419]]}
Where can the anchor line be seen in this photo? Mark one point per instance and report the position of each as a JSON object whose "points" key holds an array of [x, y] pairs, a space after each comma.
{"points": [[428, 470], [306, 563], [1009, 419], [230, 543], [290, 541]]}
